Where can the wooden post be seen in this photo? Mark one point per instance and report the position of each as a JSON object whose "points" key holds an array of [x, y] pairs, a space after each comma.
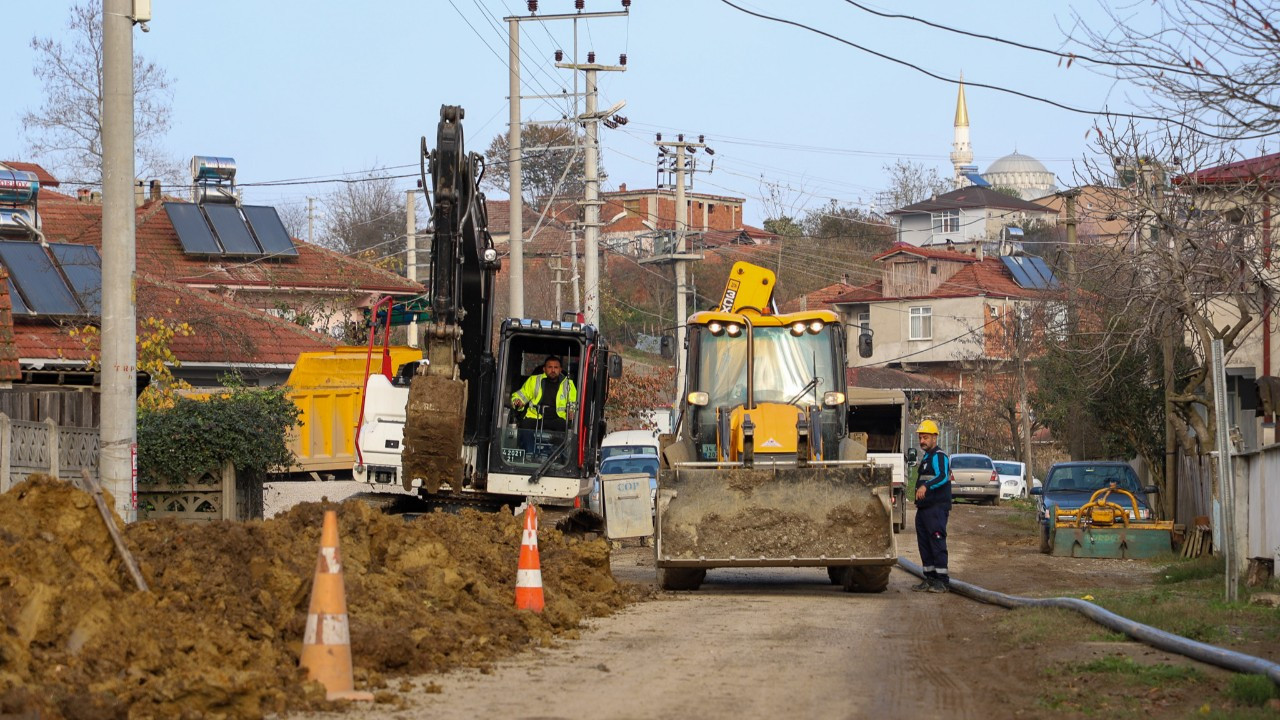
{"points": [[6, 449], [52, 426], [230, 502]]}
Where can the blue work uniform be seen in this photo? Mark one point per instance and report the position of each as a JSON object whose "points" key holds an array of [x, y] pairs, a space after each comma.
{"points": [[932, 511]]}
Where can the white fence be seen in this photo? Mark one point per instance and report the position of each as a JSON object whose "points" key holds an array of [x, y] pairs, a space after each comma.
{"points": [[44, 447], [1257, 481]]}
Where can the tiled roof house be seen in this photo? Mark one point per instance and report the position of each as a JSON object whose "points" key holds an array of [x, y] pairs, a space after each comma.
{"points": [[248, 313]]}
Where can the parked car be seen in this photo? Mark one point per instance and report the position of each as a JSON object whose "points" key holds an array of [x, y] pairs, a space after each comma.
{"points": [[974, 477], [1069, 485], [625, 465], [1013, 479], [629, 442]]}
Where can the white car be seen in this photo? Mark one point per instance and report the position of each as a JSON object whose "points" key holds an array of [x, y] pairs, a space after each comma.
{"points": [[1013, 479]]}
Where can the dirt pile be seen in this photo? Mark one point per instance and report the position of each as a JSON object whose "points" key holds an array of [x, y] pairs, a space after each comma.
{"points": [[220, 632]]}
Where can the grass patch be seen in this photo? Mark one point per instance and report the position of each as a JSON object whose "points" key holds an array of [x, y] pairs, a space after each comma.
{"points": [[1035, 627], [1156, 675], [1181, 571], [1251, 690]]}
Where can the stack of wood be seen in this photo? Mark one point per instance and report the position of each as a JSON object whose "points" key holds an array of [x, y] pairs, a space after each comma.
{"points": [[1199, 538]]}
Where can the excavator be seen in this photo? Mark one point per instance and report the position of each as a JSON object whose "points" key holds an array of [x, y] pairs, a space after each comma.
{"points": [[444, 428], [762, 469]]}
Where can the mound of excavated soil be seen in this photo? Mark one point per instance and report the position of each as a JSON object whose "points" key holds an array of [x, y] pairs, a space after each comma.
{"points": [[220, 631]]}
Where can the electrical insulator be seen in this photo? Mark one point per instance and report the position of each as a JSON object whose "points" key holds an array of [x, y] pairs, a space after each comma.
{"points": [[680, 137], [702, 138], [622, 59], [710, 151], [626, 3], [591, 57], [533, 6], [559, 55], [579, 4], [659, 136]]}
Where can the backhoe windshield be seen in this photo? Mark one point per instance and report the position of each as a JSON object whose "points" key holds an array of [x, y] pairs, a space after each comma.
{"points": [[786, 366]]}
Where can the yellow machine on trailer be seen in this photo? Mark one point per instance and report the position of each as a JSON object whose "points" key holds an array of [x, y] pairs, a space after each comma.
{"points": [[762, 470], [1104, 528]]}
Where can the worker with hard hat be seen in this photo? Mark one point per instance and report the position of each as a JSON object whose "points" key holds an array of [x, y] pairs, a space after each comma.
{"points": [[933, 505]]}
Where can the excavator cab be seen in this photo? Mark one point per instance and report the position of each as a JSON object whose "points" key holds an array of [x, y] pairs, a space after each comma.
{"points": [[549, 453]]}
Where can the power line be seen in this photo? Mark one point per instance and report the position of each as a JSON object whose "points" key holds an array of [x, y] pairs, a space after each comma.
{"points": [[1018, 93]]}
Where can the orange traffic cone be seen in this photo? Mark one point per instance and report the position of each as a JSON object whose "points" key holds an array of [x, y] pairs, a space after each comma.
{"points": [[326, 645], [529, 571]]}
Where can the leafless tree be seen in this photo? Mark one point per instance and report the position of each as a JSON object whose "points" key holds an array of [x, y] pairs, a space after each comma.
{"points": [[66, 131], [365, 218], [1184, 266], [910, 182], [1211, 64]]}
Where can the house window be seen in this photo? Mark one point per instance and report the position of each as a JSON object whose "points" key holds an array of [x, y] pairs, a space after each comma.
{"points": [[947, 221], [631, 207], [921, 323], [864, 320]]}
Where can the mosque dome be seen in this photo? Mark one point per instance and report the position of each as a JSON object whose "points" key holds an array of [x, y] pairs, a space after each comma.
{"points": [[1022, 172]]}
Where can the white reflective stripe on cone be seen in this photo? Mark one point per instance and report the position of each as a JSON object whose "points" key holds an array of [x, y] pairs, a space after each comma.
{"points": [[529, 578], [331, 564], [530, 538], [327, 630]]}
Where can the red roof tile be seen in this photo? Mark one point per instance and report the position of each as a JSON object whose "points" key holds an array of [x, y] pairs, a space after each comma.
{"points": [[878, 377], [46, 180], [1262, 170], [988, 277], [9, 369], [819, 299], [926, 252], [971, 196]]}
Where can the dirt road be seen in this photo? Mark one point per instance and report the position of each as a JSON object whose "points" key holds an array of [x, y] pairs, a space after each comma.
{"points": [[786, 643]]}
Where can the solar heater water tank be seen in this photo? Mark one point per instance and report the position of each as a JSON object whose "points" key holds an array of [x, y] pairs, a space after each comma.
{"points": [[16, 221], [18, 187], [213, 169]]}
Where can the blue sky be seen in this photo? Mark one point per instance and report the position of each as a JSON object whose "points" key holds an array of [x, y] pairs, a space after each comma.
{"points": [[318, 89]]}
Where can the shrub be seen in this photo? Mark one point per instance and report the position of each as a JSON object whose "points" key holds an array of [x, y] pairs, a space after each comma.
{"points": [[247, 426]]}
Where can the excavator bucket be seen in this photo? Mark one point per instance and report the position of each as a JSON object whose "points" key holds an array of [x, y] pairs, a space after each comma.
{"points": [[1135, 541], [433, 441], [724, 516]]}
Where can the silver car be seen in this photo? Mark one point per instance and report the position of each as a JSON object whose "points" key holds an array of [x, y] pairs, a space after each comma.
{"points": [[974, 477]]}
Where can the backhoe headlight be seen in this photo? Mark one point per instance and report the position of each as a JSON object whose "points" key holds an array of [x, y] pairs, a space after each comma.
{"points": [[699, 398], [832, 398], [797, 328], [816, 326], [716, 328], [733, 329]]}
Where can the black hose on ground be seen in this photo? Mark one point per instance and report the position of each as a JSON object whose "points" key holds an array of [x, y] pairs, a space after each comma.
{"points": [[1154, 637]]}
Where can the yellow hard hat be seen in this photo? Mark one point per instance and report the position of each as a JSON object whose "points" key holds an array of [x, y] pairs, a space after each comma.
{"points": [[928, 426]]}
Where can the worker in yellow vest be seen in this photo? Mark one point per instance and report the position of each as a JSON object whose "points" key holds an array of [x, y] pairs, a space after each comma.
{"points": [[545, 398]]}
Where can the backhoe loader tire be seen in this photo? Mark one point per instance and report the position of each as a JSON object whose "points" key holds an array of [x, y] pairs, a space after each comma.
{"points": [[681, 578], [1046, 547], [867, 578]]}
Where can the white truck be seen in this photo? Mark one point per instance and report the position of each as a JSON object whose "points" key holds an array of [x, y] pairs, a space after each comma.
{"points": [[882, 415]]}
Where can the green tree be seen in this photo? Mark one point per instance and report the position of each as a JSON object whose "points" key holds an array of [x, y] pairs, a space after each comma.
{"points": [[552, 164]]}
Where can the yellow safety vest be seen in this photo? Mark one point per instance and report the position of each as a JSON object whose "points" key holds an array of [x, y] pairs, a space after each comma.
{"points": [[531, 393]]}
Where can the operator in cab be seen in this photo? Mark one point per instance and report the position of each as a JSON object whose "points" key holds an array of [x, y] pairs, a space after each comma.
{"points": [[545, 400], [933, 505]]}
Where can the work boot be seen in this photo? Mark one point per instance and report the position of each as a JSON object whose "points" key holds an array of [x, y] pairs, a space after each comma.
{"points": [[923, 585], [938, 586]]}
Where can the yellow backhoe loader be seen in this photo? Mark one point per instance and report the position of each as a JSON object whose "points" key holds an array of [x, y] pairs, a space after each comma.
{"points": [[762, 470]]}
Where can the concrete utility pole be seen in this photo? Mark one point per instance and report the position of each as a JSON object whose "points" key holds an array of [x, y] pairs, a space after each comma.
{"points": [[678, 165], [1226, 474], [573, 262], [514, 148], [411, 261], [591, 200], [118, 434], [515, 291], [558, 268], [311, 220]]}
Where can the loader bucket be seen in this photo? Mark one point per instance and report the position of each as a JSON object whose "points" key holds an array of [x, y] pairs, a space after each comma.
{"points": [[1112, 542], [771, 516]]}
